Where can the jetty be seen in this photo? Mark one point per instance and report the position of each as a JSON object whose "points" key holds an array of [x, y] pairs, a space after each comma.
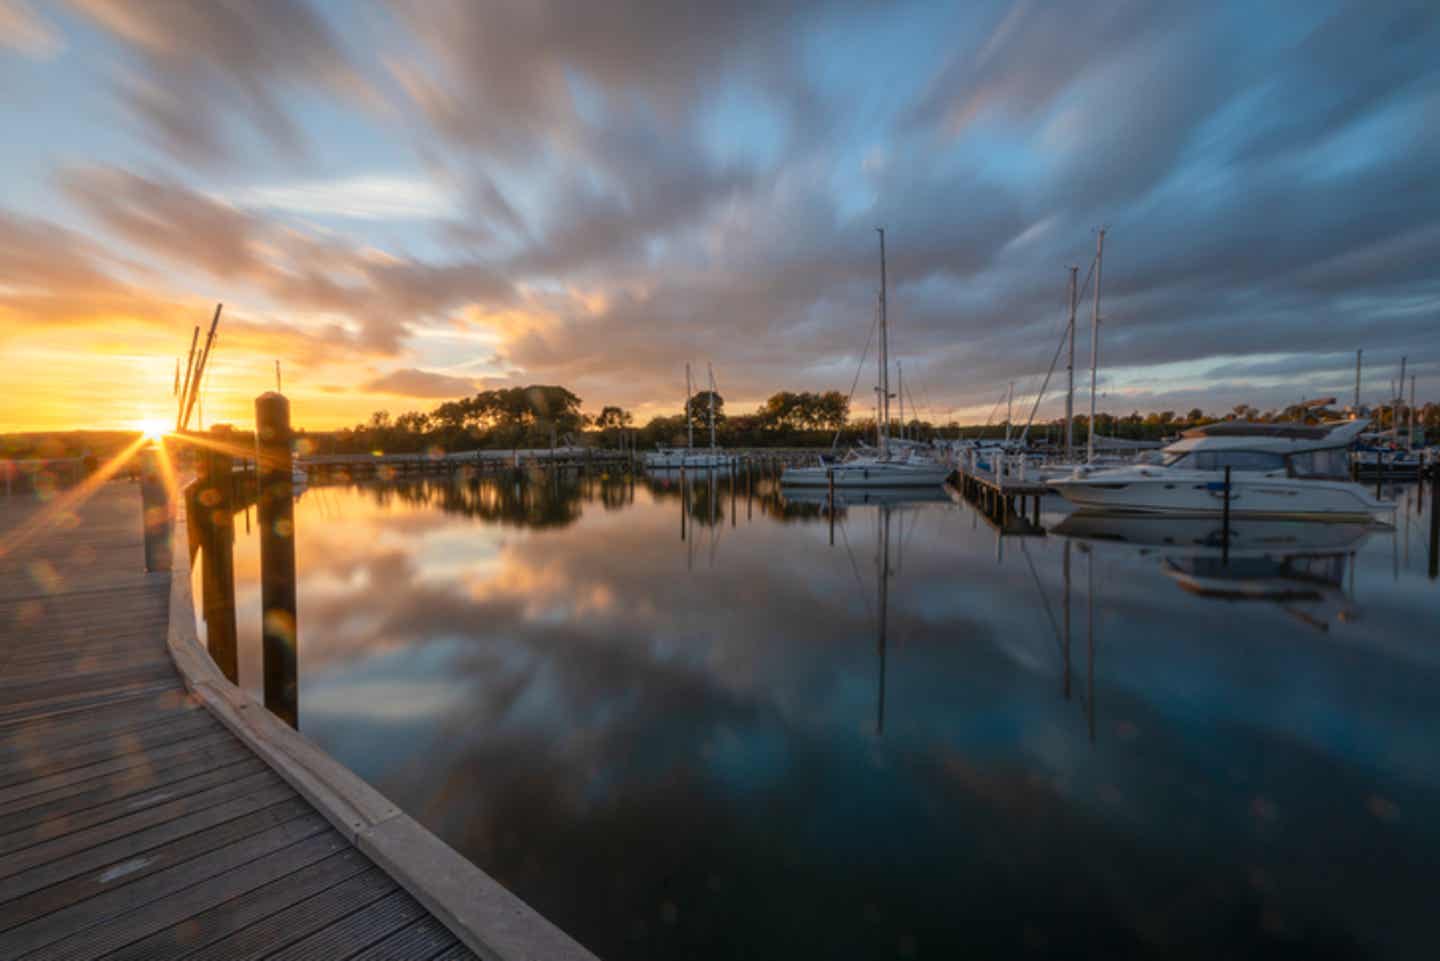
{"points": [[149, 809], [1000, 495]]}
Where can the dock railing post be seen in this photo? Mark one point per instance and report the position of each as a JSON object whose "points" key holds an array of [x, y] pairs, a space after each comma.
{"points": [[155, 502], [276, 512]]}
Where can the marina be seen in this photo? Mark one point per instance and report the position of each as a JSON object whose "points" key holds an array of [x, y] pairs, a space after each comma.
{"points": [[1043, 559]]}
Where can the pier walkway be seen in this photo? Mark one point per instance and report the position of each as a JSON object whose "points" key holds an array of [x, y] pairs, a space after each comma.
{"points": [[133, 824]]}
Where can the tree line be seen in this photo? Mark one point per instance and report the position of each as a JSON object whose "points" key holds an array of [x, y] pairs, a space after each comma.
{"points": [[542, 415]]}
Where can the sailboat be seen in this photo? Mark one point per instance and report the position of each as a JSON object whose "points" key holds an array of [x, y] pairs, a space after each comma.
{"points": [[688, 457], [903, 466]]}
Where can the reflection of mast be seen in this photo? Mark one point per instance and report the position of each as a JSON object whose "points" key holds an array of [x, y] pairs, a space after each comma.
{"points": [[1066, 568], [1090, 645], [882, 521], [713, 495]]}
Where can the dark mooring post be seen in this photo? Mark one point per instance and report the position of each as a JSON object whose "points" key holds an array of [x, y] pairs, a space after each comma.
{"points": [[212, 510], [1225, 523], [155, 502], [276, 513]]}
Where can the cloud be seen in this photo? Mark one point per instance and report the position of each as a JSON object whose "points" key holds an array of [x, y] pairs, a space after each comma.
{"points": [[382, 294], [365, 197], [507, 76], [23, 30], [201, 63], [412, 382]]}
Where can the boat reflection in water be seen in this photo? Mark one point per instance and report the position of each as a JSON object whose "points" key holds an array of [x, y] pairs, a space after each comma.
{"points": [[1299, 565]]}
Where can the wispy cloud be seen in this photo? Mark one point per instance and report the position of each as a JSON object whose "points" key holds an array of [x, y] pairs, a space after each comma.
{"points": [[22, 29], [365, 197]]}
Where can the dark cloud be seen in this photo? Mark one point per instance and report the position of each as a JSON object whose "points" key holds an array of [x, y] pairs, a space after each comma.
{"points": [[411, 382], [199, 63], [504, 76]]}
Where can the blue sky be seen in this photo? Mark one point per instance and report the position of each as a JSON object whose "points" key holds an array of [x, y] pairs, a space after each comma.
{"points": [[405, 201]]}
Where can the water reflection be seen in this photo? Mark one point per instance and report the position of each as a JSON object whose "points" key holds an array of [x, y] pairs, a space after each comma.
{"points": [[752, 741], [1297, 565]]}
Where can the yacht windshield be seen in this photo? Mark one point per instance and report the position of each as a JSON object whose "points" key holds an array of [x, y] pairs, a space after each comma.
{"points": [[1246, 460]]}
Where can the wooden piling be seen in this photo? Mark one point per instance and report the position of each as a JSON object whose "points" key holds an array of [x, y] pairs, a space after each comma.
{"points": [[155, 501], [211, 510], [276, 511]]}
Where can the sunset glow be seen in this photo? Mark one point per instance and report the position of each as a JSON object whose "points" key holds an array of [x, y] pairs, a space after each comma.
{"points": [[404, 209]]}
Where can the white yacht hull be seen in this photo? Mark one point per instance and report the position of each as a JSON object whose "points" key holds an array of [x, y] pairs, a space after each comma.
{"points": [[1200, 493], [867, 475]]}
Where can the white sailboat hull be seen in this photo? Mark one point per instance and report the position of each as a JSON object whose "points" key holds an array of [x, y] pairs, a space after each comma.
{"points": [[1202, 493], [875, 474], [691, 459]]}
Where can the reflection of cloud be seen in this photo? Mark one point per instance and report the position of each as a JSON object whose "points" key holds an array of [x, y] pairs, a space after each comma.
{"points": [[574, 705]]}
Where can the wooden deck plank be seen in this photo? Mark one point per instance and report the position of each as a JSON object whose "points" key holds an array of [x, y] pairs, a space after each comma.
{"points": [[123, 886], [420, 941], [97, 942], [79, 730], [355, 932], [111, 765], [43, 760], [77, 794], [256, 924], [139, 832], [48, 823]]}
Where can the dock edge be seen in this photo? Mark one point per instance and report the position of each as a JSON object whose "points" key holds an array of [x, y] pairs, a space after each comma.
{"points": [[480, 911]]}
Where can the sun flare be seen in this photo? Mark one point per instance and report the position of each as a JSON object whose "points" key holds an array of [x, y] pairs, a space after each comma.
{"points": [[152, 428]]}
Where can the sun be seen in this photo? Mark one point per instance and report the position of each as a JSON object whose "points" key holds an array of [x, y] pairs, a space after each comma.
{"points": [[152, 428]]}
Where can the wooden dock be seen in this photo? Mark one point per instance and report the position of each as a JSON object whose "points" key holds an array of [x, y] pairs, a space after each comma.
{"points": [[133, 824], [1002, 499]]}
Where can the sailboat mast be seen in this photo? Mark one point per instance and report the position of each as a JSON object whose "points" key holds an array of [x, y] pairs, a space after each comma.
{"points": [[189, 370], [689, 423], [1358, 354], [1070, 370], [1095, 342], [1009, 410], [884, 355], [1410, 434], [1397, 414], [710, 373], [900, 391]]}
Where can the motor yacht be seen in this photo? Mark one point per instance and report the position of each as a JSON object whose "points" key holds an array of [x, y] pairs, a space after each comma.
{"points": [[1279, 470]]}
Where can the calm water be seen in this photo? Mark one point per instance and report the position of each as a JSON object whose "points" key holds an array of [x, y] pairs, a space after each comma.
{"points": [[682, 724]]}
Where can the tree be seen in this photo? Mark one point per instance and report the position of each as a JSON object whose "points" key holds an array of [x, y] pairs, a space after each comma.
{"points": [[700, 410], [613, 418]]}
